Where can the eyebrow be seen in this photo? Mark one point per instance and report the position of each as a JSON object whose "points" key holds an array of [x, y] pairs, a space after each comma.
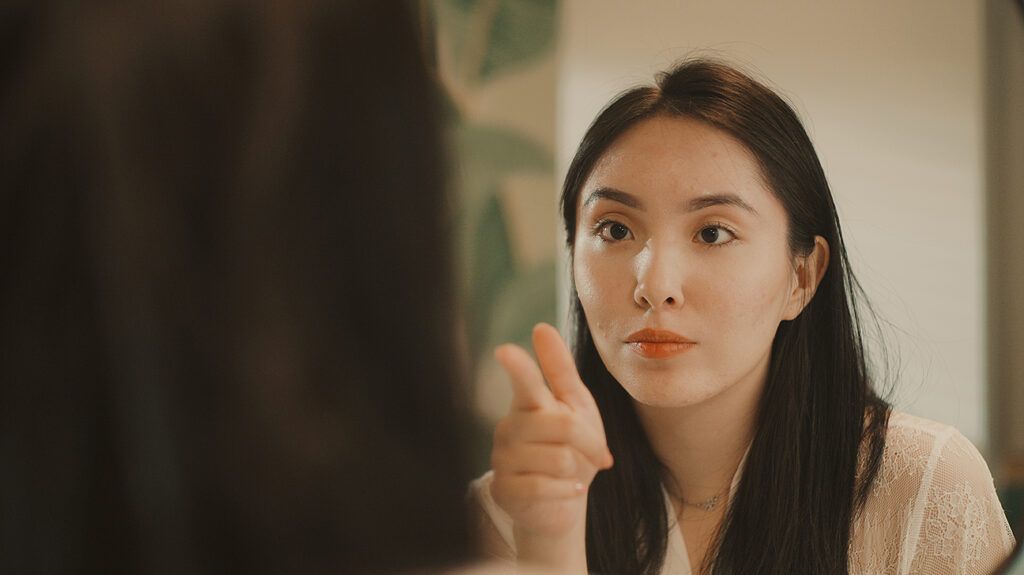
{"points": [[719, 200], [606, 193], [693, 205]]}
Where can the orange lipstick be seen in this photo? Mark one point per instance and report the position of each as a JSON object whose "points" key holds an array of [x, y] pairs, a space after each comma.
{"points": [[658, 343]]}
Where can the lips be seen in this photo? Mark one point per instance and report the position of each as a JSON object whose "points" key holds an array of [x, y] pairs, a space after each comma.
{"points": [[658, 343]]}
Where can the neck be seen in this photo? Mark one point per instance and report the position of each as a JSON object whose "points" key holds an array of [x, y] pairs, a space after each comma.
{"points": [[701, 445]]}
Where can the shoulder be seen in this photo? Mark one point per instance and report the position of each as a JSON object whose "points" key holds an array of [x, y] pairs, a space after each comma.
{"points": [[922, 456], [924, 431], [903, 422], [936, 487], [930, 452], [912, 445]]}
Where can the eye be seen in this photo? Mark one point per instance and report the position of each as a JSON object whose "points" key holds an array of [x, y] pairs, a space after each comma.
{"points": [[715, 235], [612, 231]]}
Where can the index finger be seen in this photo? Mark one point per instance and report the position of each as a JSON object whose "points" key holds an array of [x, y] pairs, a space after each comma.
{"points": [[558, 366], [529, 392]]}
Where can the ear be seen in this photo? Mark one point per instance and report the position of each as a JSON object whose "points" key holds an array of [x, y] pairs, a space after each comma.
{"points": [[808, 270]]}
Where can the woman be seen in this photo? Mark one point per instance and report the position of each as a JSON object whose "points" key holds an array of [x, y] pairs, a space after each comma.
{"points": [[220, 222], [722, 386]]}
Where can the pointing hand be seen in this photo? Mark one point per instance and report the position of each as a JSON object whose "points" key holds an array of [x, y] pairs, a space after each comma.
{"points": [[551, 444]]}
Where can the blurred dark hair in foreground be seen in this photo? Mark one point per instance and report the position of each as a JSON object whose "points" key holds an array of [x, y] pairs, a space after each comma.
{"points": [[226, 292]]}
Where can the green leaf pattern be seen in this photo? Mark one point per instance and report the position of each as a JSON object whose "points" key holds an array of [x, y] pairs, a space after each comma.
{"points": [[485, 40]]}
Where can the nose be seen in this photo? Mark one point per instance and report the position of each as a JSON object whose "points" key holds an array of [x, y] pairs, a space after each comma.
{"points": [[659, 280]]}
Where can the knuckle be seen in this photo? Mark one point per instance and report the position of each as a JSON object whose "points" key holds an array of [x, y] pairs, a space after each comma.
{"points": [[533, 488], [565, 462], [565, 424]]}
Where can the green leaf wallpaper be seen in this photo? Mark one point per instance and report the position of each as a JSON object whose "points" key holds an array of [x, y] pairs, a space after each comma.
{"points": [[522, 31], [496, 60]]}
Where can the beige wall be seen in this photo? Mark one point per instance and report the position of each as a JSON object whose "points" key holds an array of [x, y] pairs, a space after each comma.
{"points": [[891, 95]]}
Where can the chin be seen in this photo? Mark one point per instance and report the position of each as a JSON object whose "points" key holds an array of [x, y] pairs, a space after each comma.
{"points": [[662, 390]]}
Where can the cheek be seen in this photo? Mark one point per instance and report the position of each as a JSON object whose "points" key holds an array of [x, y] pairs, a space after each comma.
{"points": [[752, 299], [590, 284], [601, 286]]}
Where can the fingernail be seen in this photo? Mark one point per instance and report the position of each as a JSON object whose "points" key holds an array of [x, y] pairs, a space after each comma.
{"points": [[579, 487]]}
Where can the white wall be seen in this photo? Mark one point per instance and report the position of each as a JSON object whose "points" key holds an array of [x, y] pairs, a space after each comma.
{"points": [[891, 95]]}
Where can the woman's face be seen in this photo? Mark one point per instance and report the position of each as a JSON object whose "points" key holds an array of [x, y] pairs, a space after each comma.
{"points": [[678, 235]]}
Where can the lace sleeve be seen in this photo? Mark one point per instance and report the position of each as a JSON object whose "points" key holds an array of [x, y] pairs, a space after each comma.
{"points": [[958, 525], [495, 526]]}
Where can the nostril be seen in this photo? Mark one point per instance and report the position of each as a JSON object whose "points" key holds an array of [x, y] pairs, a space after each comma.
{"points": [[670, 300]]}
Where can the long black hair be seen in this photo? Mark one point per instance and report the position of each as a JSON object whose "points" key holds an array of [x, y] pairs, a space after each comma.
{"points": [[820, 428], [226, 292]]}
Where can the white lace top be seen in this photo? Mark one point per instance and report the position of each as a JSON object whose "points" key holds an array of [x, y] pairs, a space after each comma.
{"points": [[932, 509]]}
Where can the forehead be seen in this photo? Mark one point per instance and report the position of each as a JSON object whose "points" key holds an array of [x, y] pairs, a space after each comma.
{"points": [[679, 156]]}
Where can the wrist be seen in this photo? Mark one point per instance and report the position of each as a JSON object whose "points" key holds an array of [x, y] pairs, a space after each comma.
{"points": [[557, 553]]}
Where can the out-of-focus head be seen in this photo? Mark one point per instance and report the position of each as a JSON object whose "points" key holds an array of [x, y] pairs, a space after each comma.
{"points": [[226, 291]]}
